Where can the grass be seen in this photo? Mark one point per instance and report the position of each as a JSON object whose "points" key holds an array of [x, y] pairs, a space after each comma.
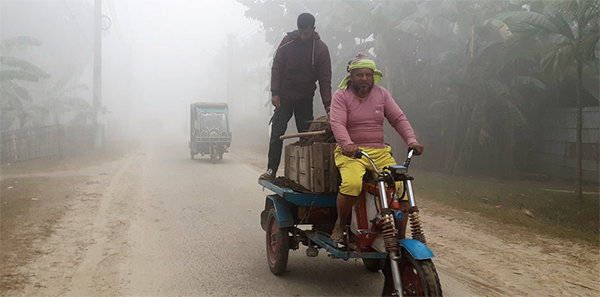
{"points": [[553, 209]]}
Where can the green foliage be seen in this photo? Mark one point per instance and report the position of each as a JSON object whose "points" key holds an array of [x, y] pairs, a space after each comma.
{"points": [[555, 210], [463, 71], [18, 76]]}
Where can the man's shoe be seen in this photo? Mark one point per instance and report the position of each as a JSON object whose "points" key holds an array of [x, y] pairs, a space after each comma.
{"points": [[269, 174]]}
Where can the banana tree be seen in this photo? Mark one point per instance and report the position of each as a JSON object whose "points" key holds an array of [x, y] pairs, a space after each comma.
{"points": [[18, 106], [61, 99], [572, 29], [476, 89]]}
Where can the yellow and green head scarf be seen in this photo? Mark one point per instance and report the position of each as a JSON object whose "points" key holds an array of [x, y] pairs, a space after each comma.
{"points": [[362, 64]]}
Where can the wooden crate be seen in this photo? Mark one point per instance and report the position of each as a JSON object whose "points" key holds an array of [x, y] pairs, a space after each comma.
{"points": [[312, 167]]}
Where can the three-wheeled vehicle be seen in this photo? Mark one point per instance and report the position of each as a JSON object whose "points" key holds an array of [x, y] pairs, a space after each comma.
{"points": [[209, 130], [376, 233]]}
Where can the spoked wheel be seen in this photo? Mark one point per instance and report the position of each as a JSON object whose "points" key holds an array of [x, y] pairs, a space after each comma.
{"points": [[419, 277], [278, 244], [374, 264]]}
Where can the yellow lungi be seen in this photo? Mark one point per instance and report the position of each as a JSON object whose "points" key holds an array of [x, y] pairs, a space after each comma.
{"points": [[352, 170]]}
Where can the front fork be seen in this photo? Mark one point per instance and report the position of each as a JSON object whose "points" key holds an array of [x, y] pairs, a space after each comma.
{"points": [[390, 237], [390, 233]]}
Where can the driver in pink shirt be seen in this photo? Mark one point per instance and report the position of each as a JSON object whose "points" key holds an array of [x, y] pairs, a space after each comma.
{"points": [[357, 113]]}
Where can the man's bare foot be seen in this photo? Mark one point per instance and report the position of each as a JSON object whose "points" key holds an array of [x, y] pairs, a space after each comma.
{"points": [[338, 233]]}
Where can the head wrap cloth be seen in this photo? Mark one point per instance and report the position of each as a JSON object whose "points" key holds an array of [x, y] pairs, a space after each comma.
{"points": [[362, 64]]}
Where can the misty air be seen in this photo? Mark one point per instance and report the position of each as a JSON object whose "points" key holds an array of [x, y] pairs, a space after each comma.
{"points": [[299, 148]]}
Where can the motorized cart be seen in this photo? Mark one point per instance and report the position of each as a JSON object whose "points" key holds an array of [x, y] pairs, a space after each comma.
{"points": [[375, 234], [209, 130]]}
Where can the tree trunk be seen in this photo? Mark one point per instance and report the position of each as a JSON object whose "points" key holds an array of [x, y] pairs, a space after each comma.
{"points": [[578, 140]]}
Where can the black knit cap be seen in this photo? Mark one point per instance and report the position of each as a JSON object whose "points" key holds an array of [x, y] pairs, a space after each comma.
{"points": [[306, 21]]}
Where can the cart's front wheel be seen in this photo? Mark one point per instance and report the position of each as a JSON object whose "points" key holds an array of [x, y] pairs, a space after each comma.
{"points": [[419, 277], [192, 154], [278, 244]]}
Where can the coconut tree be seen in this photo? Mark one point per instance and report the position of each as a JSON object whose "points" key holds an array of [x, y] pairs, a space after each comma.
{"points": [[572, 28]]}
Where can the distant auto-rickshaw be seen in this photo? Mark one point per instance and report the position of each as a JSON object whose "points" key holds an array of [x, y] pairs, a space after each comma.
{"points": [[209, 130]]}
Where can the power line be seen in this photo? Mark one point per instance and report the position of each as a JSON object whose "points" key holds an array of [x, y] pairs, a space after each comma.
{"points": [[113, 12], [77, 23]]}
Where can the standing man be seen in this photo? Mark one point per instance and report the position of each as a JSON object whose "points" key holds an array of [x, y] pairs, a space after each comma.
{"points": [[358, 110], [301, 59]]}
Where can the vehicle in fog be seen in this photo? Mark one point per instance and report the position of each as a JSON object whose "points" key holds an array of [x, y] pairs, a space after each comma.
{"points": [[209, 130]]}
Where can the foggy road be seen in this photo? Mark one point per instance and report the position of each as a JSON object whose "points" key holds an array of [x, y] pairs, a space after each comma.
{"points": [[152, 222], [194, 230]]}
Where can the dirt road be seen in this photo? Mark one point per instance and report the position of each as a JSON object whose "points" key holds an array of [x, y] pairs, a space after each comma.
{"points": [[150, 221]]}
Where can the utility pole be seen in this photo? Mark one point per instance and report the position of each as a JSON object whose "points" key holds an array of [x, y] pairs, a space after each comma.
{"points": [[97, 84]]}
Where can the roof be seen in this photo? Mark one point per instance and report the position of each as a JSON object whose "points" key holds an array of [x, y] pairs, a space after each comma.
{"points": [[209, 105]]}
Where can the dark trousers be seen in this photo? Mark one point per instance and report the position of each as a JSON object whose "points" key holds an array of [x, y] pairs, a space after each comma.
{"points": [[302, 110]]}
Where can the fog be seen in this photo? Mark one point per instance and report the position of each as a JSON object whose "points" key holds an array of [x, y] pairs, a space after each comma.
{"points": [[158, 56], [471, 99]]}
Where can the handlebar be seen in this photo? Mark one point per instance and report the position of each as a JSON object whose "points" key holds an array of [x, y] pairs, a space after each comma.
{"points": [[360, 153]]}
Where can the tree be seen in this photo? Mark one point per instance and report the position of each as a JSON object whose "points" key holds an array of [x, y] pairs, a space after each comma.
{"points": [[18, 107], [573, 29]]}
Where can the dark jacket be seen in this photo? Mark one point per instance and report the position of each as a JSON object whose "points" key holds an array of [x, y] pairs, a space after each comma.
{"points": [[297, 65]]}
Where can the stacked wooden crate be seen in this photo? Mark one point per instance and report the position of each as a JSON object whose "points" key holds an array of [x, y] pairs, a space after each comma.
{"points": [[313, 167]]}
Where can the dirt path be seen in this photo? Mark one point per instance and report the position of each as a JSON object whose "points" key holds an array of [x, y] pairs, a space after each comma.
{"points": [[500, 260], [70, 240]]}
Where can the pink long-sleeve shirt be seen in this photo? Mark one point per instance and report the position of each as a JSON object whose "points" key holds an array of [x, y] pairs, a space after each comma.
{"points": [[359, 121]]}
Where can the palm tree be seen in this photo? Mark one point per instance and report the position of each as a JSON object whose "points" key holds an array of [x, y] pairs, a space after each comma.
{"points": [[573, 29]]}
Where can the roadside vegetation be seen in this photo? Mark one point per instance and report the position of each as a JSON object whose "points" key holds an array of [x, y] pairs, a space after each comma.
{"points": [[477, 79], [545, 207]]}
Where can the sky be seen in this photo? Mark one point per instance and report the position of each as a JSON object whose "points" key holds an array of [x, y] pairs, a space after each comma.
{"points": [[158, 56], [172, 45]]}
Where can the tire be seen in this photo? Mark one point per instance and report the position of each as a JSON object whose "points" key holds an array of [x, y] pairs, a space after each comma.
{"points": [[419, 277], [192, 155], [220, 152], [213, 154], [278, 244], [374, 264]]}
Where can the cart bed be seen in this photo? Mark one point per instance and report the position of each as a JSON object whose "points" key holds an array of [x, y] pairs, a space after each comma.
{"points": [[300, 199]]}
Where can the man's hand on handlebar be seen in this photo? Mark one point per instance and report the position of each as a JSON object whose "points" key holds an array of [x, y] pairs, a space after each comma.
{"points": [[417, 147], [350, 150]]}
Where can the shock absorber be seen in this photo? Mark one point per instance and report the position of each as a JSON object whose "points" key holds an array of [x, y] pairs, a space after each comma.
{"points": [[415, 226], [388, 229]]}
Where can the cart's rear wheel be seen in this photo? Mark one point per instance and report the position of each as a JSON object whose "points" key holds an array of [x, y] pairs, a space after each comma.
{"points": [[213, 154], [278, 244], [374, 264], [221, 151]]}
